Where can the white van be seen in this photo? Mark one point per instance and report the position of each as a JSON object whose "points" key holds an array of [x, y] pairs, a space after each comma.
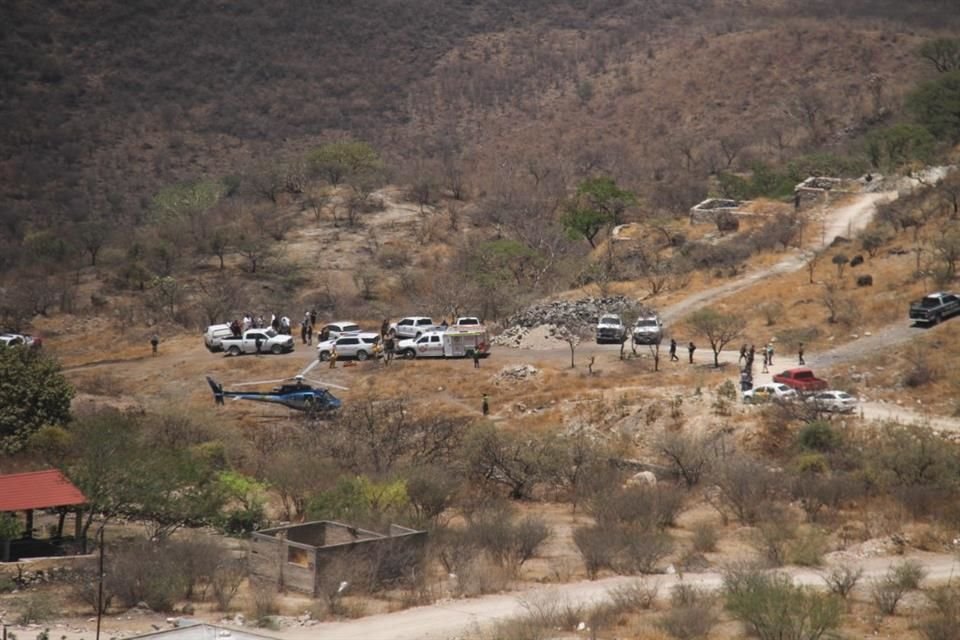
{"points": [[213, 334]]}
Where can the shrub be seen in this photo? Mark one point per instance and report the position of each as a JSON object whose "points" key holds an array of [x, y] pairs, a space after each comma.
{"points": [[771, 539], [634, 596], [842, 579], [508, 543], [908, 574], [886, 594], [808, 548], [772, 607], [819, 436], [705, 537], [744, 489], [691, 615], [36, 607], [638, 506], [146, 572], [641, 550], [226, 580], [594, 545], [263, 602]]}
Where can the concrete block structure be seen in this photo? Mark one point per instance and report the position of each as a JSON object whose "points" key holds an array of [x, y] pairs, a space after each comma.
{"points": [[817, 190], [708, 210], [309, 557]]}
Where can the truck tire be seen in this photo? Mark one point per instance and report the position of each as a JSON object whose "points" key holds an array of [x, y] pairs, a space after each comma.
{"points": [[409, 354], [324, 356], [276, 349], [362, 355], [234, 350]]}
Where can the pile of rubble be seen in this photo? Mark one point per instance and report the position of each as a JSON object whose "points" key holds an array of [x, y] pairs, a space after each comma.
{"points": [[569, 312], [516, 373], [531, 328]]}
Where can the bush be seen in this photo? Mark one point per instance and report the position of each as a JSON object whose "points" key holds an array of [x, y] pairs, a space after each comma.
{"points": [[146, 572], [908, 574], [596, 549], [641, 550], [508, 543], [819, 436], [772, 607], [36, 607], [842, 579], [808, 548], [638, 506], [886, 594], [745, 489], [691, 615], [634, 596], [705, 537], [771, 539], [226, 580]]}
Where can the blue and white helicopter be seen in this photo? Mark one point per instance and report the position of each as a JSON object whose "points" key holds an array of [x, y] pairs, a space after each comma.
{"points": [[296, 393]]}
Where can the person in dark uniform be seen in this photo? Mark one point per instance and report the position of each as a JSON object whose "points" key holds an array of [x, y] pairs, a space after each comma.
{"points": [[485, 407], [673, 351], [691, 348]]}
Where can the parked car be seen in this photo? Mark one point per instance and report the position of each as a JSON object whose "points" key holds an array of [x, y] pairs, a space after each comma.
{"points": [[767, 392], [801, 379], [349, 345], [833, 401], [648, 330], [20, 339], [213, 334], [935, 307], [336, 329], [258, 341], [468, 321], [610, 328], [412, 326]]}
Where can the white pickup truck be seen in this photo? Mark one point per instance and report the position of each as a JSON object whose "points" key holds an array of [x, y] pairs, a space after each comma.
{"points": [[648, 330], [412, 326], [610, 329], [455, 342], [258, 341]]}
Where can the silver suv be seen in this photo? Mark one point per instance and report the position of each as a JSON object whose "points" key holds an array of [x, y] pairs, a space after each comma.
{"points": [[349, 345]]}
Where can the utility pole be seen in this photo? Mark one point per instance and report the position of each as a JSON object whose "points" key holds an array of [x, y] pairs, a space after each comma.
{"points": [[99, 589]]}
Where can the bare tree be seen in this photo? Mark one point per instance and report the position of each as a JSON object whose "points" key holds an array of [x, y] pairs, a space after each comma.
{"points": [[719, 329], [572, 334]]}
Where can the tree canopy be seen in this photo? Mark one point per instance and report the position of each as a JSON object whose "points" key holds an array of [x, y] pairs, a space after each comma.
{"points": [[344, 161], [719, 329], [936, 105], [33, 393], [599, 202]]}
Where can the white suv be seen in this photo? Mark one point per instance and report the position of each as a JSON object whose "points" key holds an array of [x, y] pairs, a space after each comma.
{"points": [[412, 326], [336, 329], [350, 345]]}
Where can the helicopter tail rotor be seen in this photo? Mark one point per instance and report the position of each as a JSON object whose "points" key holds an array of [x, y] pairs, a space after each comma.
{"points": [[217, 389]]}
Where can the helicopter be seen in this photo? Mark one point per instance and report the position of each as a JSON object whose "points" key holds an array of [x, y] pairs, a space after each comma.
{"points": [[294, 393]]}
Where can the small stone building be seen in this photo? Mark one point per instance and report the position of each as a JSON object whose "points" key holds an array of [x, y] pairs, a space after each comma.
{"points": [[708, 210], [308, 557], [818, 189]]}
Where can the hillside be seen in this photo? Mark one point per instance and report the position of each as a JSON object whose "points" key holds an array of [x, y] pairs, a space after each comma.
{"points": [[105, 103]]}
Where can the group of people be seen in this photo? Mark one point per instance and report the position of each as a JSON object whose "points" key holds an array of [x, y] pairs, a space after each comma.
{"points": [[280, 324], [673, 351]]}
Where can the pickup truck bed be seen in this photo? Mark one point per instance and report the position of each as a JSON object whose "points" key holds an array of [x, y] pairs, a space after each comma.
{"points": [[935, 308], [801, 379]]}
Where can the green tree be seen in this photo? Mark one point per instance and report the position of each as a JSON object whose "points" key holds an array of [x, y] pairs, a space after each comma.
{"points": [[893, 147], [719, 329], [944, 53], [33, 393], [342, 161], [186, 199], [599, 202], [936, 106]]}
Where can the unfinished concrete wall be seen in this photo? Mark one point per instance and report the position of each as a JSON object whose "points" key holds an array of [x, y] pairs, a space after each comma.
{"points": [[708, 210], [348, 554], [817, 190]]}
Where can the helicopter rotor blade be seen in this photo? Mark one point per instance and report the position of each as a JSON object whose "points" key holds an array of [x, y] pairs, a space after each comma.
{"points": [[308, 369], [327, 384], [251, 384]]}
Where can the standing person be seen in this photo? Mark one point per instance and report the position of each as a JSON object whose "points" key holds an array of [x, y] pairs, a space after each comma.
{"points": [[766, 361], [800, 354], [746, 380], [770, 353], [285, 325], [259, 341], [485, 406], [673, 351], [743, 353], [310, 333], [476, 358], [384, 327], [388, 349], [154, 343], [691, 348], [750, 356], [303, 330], [274, 322], [247, 322], [235, 328], [333, 356], [313, 318]]}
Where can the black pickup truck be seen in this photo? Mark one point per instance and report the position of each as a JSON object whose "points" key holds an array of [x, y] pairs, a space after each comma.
{"points": [[935, 307]]}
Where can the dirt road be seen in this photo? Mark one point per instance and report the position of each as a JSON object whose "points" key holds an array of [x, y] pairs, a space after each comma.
{"points": [[455, 618], [841, 221]]}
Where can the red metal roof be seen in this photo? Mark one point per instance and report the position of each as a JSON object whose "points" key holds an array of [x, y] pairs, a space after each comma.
{"points": [[37, 490]]}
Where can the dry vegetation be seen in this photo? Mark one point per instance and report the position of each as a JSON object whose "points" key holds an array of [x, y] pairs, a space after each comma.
{"points": [[149, 195]]}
